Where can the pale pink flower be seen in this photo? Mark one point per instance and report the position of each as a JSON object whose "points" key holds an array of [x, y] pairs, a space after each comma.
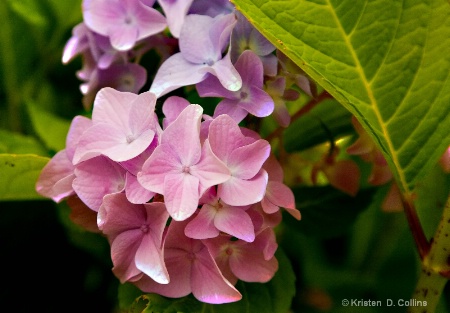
{"points": [[124, 125], [244, 156], [135, 232], [180, 168], [191, 269], [123, 21]]}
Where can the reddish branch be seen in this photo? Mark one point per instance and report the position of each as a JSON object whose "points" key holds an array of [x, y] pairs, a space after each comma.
{"points": [[305, 109], [422, 243]]}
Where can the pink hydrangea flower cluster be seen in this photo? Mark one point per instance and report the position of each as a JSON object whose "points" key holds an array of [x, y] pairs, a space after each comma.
{"points": [[188, 206], [187, 201]]}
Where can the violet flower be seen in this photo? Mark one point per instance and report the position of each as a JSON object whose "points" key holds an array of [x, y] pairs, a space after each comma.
{"points": [[251, 98], [191, 269], [124, 125], [175, 12], [246, 37], [202, 41], [123, 21], [135, 232]]}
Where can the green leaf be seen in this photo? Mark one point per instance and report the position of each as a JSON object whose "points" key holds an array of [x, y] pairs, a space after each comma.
{"points": [[29, 10], [327, 212], [383, 60], [49, 127], [314, 128], [68, 13], [18, 176], [272, 297], [19, 144]]}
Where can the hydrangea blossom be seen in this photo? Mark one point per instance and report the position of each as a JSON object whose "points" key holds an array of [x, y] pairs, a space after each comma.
{"points": [[123, 21], [202, 41], [244, 156], [187, 201], [180, 168], [123, 126], [251, 98], [191, 269], [135, 232]]}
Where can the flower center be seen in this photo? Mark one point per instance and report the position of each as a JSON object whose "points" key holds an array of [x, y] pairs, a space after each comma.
{"points": [[190, 256], [229, 251], [144, 228], [209, 62], [243, 95], [130, 138], [128, 20], [186, 169]]}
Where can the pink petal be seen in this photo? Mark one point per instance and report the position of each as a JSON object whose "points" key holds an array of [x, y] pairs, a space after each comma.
{"points": [[100, 15], [231, 108], [113, 107], [135, 192], [281, 195], [55, 179], [179, 269], [249, 265], [175, 12], [226, 73], [123, 37], [235, 222], [96, 178], [183, 135], [251, 69], [172, 108], [224, 136], [119, 215], [245, 162], [78, 126], [209, 170], [202, 225], [208, 283], [259, 103], [181, 195], [212, 87], [105, 139], [238, 192], [162, 162], [123, 253], [195, 43], [174, 73], [149, 256], [149, 21], [142, 116], [274, 169]]}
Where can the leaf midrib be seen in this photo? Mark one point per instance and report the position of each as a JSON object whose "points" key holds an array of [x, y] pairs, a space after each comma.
{"points": [[373, 101]]}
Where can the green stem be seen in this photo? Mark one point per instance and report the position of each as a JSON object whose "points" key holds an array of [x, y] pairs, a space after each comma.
{"points": [[8, 62], [435, 268]]}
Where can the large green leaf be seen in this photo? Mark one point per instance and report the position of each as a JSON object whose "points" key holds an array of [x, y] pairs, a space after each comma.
{"points": [[19, 173], [386, 61]]}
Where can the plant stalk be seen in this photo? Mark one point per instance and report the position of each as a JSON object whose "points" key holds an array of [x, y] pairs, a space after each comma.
{"points": [[435, 269]]}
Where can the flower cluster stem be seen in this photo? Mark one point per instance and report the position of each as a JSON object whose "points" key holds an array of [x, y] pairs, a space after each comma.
{"points": [[435, 268]]}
